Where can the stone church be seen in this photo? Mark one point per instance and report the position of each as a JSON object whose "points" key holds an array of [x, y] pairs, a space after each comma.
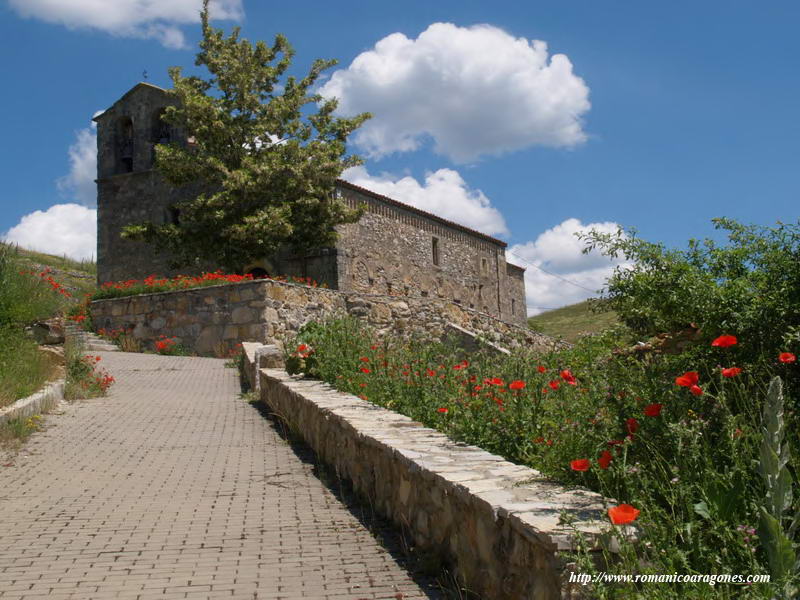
{"points": [[395, 249]]}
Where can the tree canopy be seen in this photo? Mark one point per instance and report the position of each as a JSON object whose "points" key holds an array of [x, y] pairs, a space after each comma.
{"points": [[263, 151]]}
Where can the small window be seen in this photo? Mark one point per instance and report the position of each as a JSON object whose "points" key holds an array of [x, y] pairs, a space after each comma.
{"points": [[125, 145], [435, 249], [484, 265], [513, 307], [175, 215]]}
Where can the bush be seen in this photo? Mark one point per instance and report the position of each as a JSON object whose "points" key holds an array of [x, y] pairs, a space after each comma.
{"points": [[749, 287], [85, 378], [684, 458]]}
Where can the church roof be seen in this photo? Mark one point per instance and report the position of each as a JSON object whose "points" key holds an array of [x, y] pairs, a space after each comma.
{"points": [[408, 207]]}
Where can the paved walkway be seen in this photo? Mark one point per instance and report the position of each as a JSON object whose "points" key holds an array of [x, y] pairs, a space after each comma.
{"points": [[174, 487]]}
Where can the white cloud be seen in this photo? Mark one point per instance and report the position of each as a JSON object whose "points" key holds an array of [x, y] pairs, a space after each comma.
{"points": [[157, 19], [559, 251], [79, 183], [444, 193], [63, 229], [475, 90]]}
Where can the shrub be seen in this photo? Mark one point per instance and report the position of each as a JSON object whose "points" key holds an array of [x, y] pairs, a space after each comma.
{"points": [[749, 287], [586, 416], [85, 378]]}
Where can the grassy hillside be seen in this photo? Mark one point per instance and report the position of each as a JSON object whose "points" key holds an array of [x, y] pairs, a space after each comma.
{"points": [[78, 276], [570, 322], [30, 293]]}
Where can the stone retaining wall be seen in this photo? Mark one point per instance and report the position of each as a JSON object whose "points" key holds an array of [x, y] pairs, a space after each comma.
{"points": [[215, 318], [35, 404], [497, 525]]}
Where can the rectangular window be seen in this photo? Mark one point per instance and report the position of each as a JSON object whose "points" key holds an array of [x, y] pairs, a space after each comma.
{"points": [[513, 307], [435, 249], [484, 266]]}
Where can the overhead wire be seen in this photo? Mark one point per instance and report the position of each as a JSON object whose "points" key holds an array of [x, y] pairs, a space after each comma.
{"points": [[564, 279]]}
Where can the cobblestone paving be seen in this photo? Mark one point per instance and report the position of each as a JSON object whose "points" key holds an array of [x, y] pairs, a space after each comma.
{"points": [[174, 487]]}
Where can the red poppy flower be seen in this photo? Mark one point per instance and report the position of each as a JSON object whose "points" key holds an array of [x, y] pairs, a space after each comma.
{"points": [[652, 410], [615, 443], [632, 425], [430, 372], [731, 372], [365, 370], [787, 357], [725, 341], [516, 385], [494, 381], [688, 379], [373, 347], [622, 514], [554, 384], [581, 464], [567, 376], [364, 359], [696, 390], [442, 410], [604, 460], [541, 369]]}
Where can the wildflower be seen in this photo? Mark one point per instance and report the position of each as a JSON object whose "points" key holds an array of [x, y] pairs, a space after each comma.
{"points": [[652, 410], [580, 464], [731, 372], [623, 514], [365, 370], [554, 384], [373, 347], [541, 369], [725, 341], [688, 379], [516, 385], [442, 410], [632, 425], [364, 359], [612, 443], [567, 376], [787, 357], [494, 381], [302, 348], [431, 372], [696, 390], [604, 460]]}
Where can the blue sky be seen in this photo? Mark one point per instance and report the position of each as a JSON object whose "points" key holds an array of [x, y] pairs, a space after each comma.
{"points": [[658, 116]]}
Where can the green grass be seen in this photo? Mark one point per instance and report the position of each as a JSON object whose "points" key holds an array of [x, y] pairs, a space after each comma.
{"points": [[23, 368], [573, 321], [62, 263], [14, 432], [26, 296]]}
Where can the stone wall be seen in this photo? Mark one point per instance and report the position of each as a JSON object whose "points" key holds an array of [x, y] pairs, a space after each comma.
{"points": [[497, 525], [209, 319], [390, 251]]}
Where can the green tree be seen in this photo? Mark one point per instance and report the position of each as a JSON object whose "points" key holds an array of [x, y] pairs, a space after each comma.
{"points": [[263, 156], [748, 287]]}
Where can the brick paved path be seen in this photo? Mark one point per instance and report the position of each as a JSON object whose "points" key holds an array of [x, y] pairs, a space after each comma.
{"points": [[174, 487]]}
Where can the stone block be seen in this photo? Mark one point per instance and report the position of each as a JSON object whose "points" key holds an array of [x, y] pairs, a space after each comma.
{"points": [[209, 338], [243, 314], [276, 292]]}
